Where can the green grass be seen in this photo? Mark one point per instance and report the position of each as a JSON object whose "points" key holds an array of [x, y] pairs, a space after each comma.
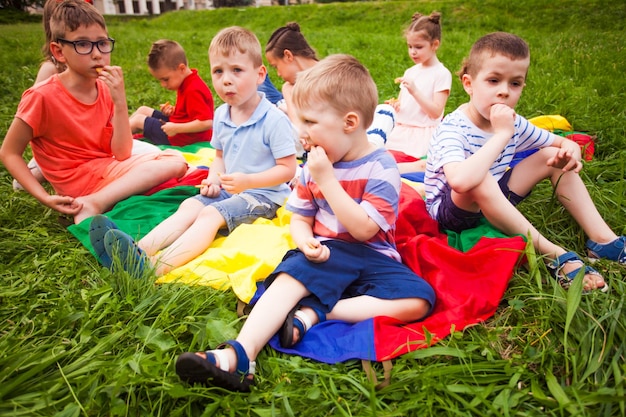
{"points": [[77, 340]]}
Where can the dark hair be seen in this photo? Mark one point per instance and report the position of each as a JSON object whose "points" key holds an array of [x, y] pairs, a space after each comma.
{"points": [[165, 53], [503, 43], [289, 37], [69, 15], [431, 25]]}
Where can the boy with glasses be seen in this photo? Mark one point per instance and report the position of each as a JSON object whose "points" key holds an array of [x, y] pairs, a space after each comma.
{"points": [[77, 125]]}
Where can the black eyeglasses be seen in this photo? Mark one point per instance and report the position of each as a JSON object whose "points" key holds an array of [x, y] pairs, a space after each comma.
{"points": [[84, 47]]}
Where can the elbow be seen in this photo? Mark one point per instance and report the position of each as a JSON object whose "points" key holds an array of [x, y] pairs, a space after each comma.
{"points": [[460, 185]]}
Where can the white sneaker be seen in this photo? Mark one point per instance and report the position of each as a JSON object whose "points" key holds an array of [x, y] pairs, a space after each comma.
{"points": [[34, 169]]}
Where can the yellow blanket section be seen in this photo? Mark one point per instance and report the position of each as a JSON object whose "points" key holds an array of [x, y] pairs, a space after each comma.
{"points": [[249, 254]]}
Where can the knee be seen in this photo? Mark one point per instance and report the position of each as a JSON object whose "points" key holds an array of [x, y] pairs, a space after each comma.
{"points": [[418, 309], [145, 110]]}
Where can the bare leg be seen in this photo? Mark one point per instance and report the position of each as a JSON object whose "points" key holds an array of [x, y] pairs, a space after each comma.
{"points": [[505, 217], [192, 242], [271, 310], [267, 317], [171, 228], [136, 181], [138, 118]]}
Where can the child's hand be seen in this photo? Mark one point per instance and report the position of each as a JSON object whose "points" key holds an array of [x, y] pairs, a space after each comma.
{"points": [[393, 102], [567, 157], [234, 183], [167, 109], [63, 204], [410, 87], [320, 166], [502, 119], [315, 251], [170, 128], [210, 190], [114, 79]]}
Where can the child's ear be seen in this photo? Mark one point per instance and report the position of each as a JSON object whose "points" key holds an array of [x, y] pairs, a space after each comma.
{"points": [[262, 74], [288, 55], [351, 121], [466, 80], [57, 52]]}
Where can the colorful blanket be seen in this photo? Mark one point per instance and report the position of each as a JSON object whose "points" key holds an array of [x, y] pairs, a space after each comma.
{"points": [[469, 271]]}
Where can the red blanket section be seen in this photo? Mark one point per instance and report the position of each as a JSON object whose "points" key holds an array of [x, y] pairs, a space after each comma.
{"points": [[469, 285]]}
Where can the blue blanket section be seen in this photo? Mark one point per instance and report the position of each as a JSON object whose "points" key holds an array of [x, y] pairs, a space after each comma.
{"points": [[414, 176], [334, 341]]}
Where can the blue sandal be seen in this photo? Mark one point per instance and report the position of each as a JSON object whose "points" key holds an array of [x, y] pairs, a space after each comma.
{"points": [[193, 368], [565, 280], [613, 251], [98, 227], [121, 246]]}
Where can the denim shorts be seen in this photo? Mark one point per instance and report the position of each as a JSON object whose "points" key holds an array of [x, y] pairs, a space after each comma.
{"points": [[352, 270], [453, 218], [240, 208], [152, 128]]}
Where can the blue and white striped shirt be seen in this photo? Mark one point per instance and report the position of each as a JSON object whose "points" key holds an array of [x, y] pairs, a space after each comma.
{"points": [[457, 138]]}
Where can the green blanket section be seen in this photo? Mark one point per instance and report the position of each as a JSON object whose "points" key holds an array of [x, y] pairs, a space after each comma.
{"points": [[466, 240], [139, 214]]}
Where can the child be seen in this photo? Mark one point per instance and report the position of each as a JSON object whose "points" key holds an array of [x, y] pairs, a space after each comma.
{"points": [[289, 52], [424, 90], [48, 68], [255, 157], [77, 125], [468, 173], [346, 266], [190, 120]]}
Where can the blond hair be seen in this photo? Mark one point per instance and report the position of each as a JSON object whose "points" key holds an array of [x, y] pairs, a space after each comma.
{"points": [[342, 82], [238, 39], [166, 53]]}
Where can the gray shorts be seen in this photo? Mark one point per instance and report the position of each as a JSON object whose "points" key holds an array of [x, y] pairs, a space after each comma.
{"points": [[240, 208]]}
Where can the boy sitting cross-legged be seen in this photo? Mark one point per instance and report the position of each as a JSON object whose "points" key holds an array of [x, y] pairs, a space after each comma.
{"points": [[77, 125]]}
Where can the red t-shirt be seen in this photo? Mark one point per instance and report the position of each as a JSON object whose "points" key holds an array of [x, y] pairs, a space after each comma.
{"points": [[194, 101]]}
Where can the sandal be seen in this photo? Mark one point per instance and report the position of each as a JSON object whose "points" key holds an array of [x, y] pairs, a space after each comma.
{"points": [[193, 368], [99, 226], [613, 251], [297, 319], [120, 245], [565, 279]]}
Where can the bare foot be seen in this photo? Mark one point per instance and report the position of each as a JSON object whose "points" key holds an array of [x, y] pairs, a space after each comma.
{"points": [[591, 281], [87, 211]]}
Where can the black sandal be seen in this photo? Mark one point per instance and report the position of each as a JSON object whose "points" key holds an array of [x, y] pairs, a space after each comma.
{"points": [[299, 320], [193, 368]]}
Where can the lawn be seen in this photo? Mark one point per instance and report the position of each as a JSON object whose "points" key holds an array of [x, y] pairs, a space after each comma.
{"points": [[78, 340]]}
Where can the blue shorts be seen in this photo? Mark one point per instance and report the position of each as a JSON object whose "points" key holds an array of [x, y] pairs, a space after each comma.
{"points": [[241, 208], [352, 270], [152, 131], [451, 217]]}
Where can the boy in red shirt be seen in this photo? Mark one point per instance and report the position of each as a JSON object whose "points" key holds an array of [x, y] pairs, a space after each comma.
{"points": [[190, 120]]}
